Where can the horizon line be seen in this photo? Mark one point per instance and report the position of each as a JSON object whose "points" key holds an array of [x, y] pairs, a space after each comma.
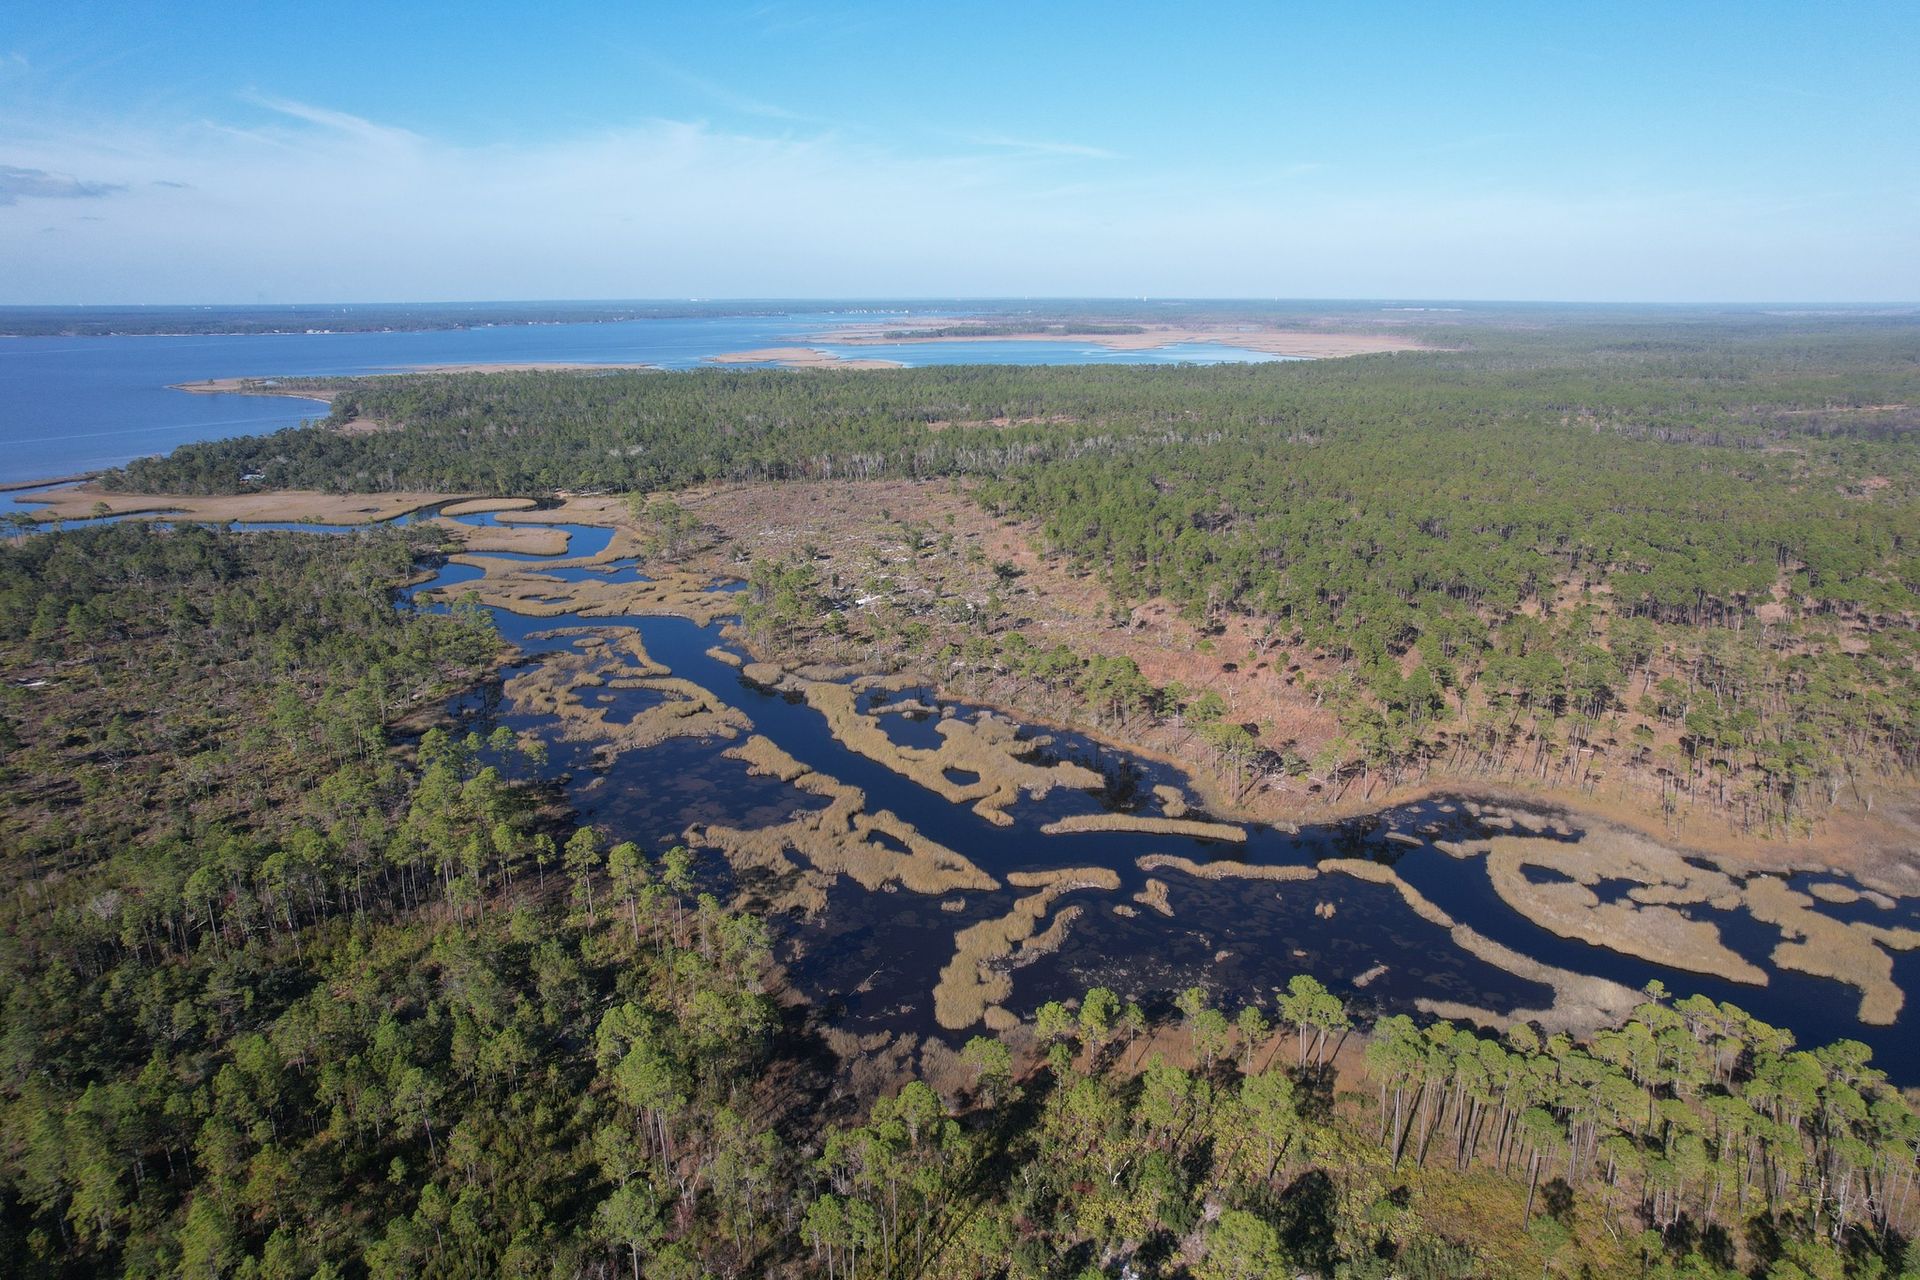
{"points": [[850, 299]]}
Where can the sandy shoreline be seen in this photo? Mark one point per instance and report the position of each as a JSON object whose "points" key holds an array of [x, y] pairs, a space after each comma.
{"points": [[801, 358], [1307, 344], [276, 386]]}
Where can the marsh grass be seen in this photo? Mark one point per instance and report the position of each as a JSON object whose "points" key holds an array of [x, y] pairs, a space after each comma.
{"points": [[1856, 954], [843, 838], [555, 688], [480, 539], [987, 750], [1844, 895], [1154, 896], [978, 980], [1223, 869], [479, 506], [1580, 1001], [1148, 825], [1648, 926], [1049, 939], [523, 588], [1379, 873]]}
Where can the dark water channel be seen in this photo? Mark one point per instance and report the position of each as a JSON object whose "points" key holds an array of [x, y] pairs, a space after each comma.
{"points": [[870, 960]]}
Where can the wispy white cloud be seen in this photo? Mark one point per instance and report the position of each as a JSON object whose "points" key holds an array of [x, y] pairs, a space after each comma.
{"points": [[321, 204], [723, 96], [1035, 147], [337, 122], [17, 184]]}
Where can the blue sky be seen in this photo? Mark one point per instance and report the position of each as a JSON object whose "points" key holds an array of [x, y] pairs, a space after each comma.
{"points": [[297, 152]]}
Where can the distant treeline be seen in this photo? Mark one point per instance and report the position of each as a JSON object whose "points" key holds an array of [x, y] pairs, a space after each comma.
{"points": [[1072, 316], [373, 317]]}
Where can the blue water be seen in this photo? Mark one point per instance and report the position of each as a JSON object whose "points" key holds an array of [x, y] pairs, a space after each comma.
{"points": [[70, 405]]}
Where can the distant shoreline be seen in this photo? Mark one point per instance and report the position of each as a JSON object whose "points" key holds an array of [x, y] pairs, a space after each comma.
{"points": [[1310, 345], [802, 358], [270, 385]]}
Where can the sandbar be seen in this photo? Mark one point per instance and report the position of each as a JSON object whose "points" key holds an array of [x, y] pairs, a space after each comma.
{"points": [[802, 358], [1309, 344]]}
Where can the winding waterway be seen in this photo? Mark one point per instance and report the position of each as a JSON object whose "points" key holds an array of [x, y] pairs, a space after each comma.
{"points": [[870, 959]]}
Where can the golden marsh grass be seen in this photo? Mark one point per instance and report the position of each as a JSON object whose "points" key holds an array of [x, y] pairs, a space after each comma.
{"points": [[1147, 825], [977, 980], [1649, 927]]}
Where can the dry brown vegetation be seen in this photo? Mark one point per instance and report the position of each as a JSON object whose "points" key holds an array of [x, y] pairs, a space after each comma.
{"points": [[1856, 954], [1580, 1002], [987, 748], [1648, 926], [843, 838], [479, 506], [1147, 824], [977, 980], [560, 685], [1172, 803], [1224, 869], [522, 587], [78, 502], [851, 527], [1842, 895], [855, 532], [1380, 873], [480, 539], [1154, 896]]}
